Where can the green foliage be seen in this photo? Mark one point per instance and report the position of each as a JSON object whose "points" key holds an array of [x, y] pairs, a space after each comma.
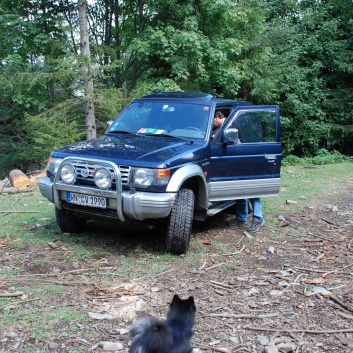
{"points": [[54, 128], [298, 55], [322, 157]]}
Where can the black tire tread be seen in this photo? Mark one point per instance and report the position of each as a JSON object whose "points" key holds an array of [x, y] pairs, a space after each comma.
{"points": [[180, 222], [69, 223]]}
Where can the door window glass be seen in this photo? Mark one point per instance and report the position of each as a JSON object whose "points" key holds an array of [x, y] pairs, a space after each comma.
{"points": [[259, 126]]}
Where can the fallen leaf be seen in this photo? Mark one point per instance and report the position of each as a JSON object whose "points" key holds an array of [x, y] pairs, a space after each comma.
{"points": [[314, 281], [206, 242]]}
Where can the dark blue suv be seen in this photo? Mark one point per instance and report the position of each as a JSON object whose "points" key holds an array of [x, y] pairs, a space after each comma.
{"points": [[161, 159]]}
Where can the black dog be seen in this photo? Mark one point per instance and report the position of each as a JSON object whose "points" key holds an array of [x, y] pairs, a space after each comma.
{"points": [[150, 335]]}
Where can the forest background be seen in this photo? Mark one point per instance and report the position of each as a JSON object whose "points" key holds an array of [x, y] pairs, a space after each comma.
{"points": [[297, 54]]}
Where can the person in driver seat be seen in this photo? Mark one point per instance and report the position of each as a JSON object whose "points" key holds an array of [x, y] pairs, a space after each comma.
{"points": [[219, 119]]}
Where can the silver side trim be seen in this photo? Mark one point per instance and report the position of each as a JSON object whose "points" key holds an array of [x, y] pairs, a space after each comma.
{"points": [[243, 189]]}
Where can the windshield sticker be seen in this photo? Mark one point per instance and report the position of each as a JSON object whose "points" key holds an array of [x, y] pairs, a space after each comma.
{"points": [[206, 108], [167, 108], [145, 130]]}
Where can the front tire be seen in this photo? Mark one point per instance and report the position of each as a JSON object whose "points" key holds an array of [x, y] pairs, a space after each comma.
{"points": [[68, 222], [180, 222]]}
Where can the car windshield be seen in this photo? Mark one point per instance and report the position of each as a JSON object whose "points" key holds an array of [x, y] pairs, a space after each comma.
{"points": [[162, 118]]}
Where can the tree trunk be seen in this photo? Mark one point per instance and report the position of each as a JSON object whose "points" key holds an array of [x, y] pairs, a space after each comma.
{"points": [[86, 68]]}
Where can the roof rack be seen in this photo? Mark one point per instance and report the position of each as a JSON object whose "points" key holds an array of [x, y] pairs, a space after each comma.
{"points": [[182, 95]]}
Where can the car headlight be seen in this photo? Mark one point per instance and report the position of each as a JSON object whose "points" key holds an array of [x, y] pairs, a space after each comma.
{"points": [[53, 166], [102, 178], [68, 174], [144, 177]]}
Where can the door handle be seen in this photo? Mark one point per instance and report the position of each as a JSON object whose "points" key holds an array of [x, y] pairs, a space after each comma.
{"points": [[271, 158]]}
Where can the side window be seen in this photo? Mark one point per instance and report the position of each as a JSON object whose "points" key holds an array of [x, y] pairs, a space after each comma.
{"points": [[225, 110], [268, 122], [257, 126]]}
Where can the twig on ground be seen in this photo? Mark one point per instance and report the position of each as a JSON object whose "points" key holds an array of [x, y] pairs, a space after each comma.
{"points": [[346, 316], [315, 332], [338, 270], [241, 239], [327, 221], [320, 271], [19, 302], [202, 266], [39, 226], [19, 211], [60, 274], [340, 302], [244, 316], [235, 253], [214, 266], [202, 346], [221, 284], [14, 294], [300, 342]]}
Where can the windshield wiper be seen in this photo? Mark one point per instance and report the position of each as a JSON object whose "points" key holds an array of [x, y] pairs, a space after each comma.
{"points": [[170, 136], [125, 132]]}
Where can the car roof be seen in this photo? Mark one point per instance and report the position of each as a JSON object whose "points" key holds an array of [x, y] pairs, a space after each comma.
{"points": [[197, 97]]}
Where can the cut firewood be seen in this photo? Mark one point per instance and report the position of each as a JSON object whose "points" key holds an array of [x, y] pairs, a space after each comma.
{"points": [[34, 179], [3, 183], [18, 179], [13, 190]]}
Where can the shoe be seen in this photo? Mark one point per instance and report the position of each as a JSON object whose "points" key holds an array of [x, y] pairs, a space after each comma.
{"points": [[255, 225], [235, 222]]}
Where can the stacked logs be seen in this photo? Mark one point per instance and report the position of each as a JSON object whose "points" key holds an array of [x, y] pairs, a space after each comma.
{"points": [[17, 181]]}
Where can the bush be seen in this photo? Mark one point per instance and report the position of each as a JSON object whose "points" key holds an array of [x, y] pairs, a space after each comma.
{"points": [[322, 157]]}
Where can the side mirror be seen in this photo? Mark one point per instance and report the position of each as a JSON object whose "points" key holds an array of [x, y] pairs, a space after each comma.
{"points": [[230, 136]]}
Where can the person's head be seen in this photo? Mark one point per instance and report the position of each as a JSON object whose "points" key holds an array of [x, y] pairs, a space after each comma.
{"points": [[218, 119]]}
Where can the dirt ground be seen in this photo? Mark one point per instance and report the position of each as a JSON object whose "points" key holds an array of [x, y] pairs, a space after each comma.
{"points": [[287, 288]]}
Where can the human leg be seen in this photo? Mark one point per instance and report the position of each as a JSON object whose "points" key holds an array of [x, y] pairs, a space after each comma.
{"points": [[241, 213], [257, 209], [257, 220]]}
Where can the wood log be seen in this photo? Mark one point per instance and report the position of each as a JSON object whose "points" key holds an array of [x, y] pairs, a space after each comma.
{"points": [[3, 183], [34, 179], [18, 179], [13, 190]]}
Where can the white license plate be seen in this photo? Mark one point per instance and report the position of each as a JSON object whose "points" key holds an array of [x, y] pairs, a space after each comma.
{"points": [[86, 200]]}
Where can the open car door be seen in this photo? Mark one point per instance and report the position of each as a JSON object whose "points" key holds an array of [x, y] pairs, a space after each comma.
{"points": [[249, 164]]}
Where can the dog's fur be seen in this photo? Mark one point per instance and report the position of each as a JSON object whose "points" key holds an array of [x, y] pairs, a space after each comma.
{"points": [[150, 335]]}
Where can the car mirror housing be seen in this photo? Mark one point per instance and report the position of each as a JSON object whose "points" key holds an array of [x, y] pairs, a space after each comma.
{"points": [[230, 136]]}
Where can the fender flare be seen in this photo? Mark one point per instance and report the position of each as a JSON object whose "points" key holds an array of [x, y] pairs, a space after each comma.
{"points": [[186, 172]]}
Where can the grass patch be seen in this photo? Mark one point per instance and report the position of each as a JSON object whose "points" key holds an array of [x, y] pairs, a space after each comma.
{"points": [[309, 186], [32, 242]]}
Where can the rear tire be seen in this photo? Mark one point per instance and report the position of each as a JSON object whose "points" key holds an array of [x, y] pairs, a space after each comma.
{"points": [[180, 222], [68, 222]]}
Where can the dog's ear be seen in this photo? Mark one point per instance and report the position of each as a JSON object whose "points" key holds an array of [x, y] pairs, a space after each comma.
{"points": [[175, 300], [191, 301]]}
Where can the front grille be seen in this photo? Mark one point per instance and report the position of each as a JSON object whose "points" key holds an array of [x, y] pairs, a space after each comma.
{"points": [[85, 173]]}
